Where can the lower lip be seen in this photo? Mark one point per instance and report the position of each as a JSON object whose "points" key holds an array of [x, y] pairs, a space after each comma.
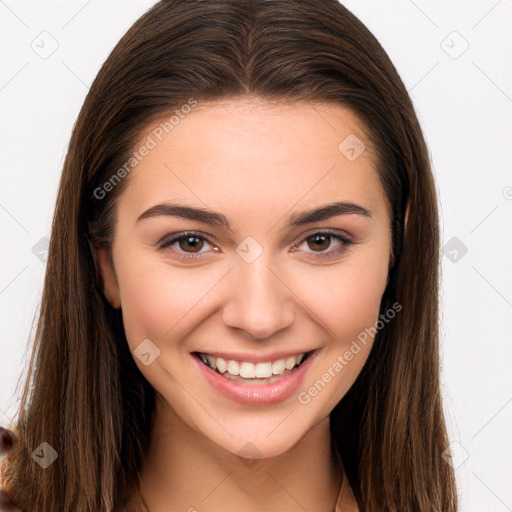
{"points": [[257, 394]]}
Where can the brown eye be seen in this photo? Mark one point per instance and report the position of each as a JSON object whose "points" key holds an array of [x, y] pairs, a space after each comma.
{"points": [[325, 244], [190, 243], [321, 242], [187, 245]]}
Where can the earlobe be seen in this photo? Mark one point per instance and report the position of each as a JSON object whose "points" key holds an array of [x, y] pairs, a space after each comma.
{"points": [[107, 276]]}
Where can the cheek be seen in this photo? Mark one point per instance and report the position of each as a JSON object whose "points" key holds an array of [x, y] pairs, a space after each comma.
{"points": [[157, 300], [347, 302], [346, 297]]}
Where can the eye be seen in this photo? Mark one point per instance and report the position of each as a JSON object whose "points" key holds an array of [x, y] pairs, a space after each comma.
{"points": [[321, 241], [188, 244]]}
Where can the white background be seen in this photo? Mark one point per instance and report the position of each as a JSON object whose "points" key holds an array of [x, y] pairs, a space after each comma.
{"points": [[464, 102]]}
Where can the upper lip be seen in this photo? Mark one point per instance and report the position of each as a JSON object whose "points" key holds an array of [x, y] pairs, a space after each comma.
{"points": [[254, 358]]}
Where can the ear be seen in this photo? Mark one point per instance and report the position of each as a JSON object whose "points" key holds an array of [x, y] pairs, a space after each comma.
{"points": [[107, 275]]}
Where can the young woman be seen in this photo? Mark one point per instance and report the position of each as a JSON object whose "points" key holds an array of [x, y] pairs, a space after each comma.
{"points": [[240, 309]]}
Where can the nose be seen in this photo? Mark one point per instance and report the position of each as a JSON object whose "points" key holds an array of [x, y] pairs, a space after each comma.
{"points": [[260, 302]]}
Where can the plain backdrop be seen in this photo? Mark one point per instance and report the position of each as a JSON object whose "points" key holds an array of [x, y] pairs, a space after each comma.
{"points": [[455, 60]]}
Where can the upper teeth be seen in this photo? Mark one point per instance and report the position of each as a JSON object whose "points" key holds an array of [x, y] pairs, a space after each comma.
{"points": [[253, 370]]}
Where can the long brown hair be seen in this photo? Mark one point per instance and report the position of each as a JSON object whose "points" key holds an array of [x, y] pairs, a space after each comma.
{"points": [[85, 396]]}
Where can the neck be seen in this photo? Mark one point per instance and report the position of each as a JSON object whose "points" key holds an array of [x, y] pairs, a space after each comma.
{"points": [[186, 471]]}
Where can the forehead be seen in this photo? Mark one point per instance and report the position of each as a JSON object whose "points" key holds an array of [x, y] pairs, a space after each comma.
{"points": [[260, 152]]}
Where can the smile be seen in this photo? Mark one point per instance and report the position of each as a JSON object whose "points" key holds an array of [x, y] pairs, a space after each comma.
{"points": [[253, 383]]}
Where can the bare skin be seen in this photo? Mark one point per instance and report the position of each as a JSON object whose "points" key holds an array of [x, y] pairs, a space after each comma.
{"points": [[258, 163]]}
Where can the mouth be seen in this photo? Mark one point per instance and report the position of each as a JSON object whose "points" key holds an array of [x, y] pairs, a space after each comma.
{"points": [[257, 382], [249, 373]]}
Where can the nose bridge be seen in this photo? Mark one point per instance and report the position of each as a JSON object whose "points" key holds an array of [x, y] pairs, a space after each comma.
{"points": [[258, 302]]}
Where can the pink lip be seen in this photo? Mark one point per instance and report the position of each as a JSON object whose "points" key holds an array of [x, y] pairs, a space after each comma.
{"points": [[257, 358], [255, 394]]}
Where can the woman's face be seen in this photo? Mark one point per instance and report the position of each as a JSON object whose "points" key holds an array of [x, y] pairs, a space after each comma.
{"points": [[262, 279]]}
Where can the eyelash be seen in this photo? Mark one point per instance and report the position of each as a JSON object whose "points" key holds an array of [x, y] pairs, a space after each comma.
{"points": [[168, 242]]}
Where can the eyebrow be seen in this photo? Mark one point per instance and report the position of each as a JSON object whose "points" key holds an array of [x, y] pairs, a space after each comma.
{"points": [[218, 219]]}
